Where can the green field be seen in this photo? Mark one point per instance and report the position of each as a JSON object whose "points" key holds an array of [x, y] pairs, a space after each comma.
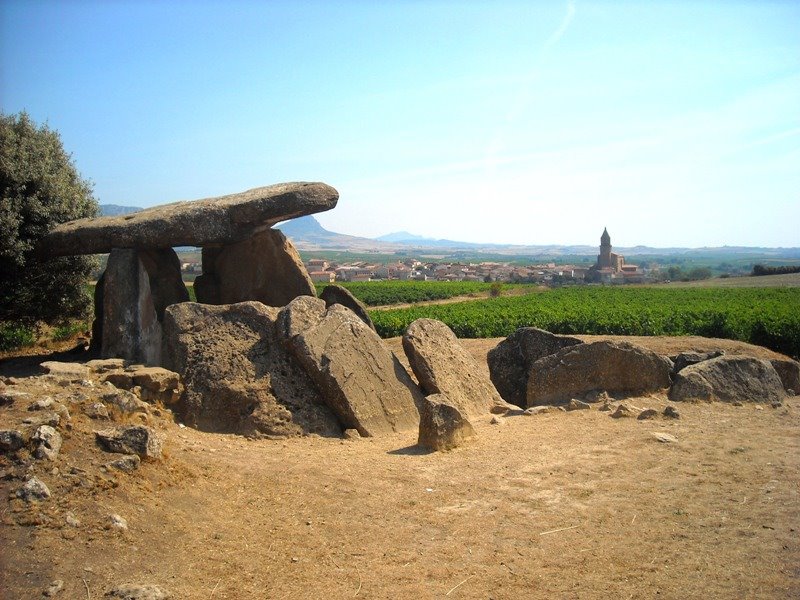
{"points": [[766, 316]]}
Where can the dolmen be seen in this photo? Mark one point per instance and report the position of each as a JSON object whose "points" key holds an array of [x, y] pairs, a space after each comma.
{"points": [[243, 258]]}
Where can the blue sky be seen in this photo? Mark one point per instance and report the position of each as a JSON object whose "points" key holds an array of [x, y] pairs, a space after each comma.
{"points": [[671, 123]]}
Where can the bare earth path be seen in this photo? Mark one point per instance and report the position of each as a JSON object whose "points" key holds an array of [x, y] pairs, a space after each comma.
{"points": [[562, 505]]}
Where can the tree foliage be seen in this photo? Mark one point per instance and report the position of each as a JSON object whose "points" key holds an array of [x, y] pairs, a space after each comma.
{"points": [[40, 188]]}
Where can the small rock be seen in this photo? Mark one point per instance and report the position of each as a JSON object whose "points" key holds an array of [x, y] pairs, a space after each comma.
{"points": [[351, 434], [776, 404], [11, 440], [33, 489], [539, 410], [759, 407], [117, 522], [737, 403], [623, 410], [6, 399], [128, 463], [139, 592], [47, 442], [66, 371], [671, 413], [596, 396], [648, 413], [71, 520], [96, 410], [54, 588], [133, 439], [125, 401], [107, 364], [495, 421], [790, 392], [575, 404], [45, 418], [42, 404], [607, 407], [664, 438]]}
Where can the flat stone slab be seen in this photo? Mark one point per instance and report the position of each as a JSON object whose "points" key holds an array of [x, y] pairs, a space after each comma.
{"points": [[207, 222]]}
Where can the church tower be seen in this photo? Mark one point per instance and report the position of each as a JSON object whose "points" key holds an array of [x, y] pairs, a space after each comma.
{"points": [[604, 259]]}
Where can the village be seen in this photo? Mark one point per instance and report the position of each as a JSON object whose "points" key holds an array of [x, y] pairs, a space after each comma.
{"points": [[610, 268]]}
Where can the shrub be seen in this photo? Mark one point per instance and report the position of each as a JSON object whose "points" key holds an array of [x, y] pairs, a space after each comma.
{"points": [[40, 188]]}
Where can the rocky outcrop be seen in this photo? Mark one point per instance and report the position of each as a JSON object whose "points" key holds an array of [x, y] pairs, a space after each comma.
{"points": [[789, 372], [729, 379], [442, 366], [265, 267], [616, 367], [336, 294], [510, 361], [212, 221], [237, 374], [356, 373], [442, 425], [138, 286]]}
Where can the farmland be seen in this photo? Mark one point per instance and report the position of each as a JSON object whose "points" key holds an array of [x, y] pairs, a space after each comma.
{"points": [[765, 316]]}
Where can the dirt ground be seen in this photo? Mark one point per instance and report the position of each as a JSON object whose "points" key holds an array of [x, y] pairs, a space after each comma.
{"points": [[559, 505]]}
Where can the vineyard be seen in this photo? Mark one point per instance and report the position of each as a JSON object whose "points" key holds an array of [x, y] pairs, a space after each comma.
{"points": [[768, 317], [380, 293]]}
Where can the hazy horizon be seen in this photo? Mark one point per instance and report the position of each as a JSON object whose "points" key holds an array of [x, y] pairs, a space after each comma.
{"points": [[672, 124]]}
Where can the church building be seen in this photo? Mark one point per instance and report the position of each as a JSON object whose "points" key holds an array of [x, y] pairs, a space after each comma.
{"points": [[610, 267]]}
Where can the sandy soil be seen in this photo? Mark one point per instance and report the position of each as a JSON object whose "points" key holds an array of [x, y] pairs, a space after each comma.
{"points": [[561, 505]]}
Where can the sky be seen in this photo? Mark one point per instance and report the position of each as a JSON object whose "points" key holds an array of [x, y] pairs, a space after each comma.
{"points": [[671, 123]]}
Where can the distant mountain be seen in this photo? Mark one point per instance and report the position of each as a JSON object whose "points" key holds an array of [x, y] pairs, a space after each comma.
{"points": [[308, 234], [113, 210], [402, 236]]}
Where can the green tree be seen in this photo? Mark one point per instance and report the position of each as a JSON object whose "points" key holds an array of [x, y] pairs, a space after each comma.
{"points": [[40, 188]]}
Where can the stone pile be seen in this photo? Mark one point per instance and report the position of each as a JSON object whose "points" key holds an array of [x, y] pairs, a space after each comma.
{"points": [[536, 368], [308, 368], [243, 259]]}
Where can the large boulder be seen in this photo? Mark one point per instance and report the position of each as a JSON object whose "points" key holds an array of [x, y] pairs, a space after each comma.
{"points": [[357, 374], [212, 221], [442, 366], [616, 367], [510, 361], [789, 372], [138, 285], [336, 294], [442, 426], [730, 379], [238, 376], [265, 267]]}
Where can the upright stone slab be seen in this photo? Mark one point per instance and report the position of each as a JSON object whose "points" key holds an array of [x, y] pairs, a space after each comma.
{"points": [[510, 361], [610, 366], [357, 374], [238, 376], [336, 294], [265, 267], [138, 285], [442, 366]]}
